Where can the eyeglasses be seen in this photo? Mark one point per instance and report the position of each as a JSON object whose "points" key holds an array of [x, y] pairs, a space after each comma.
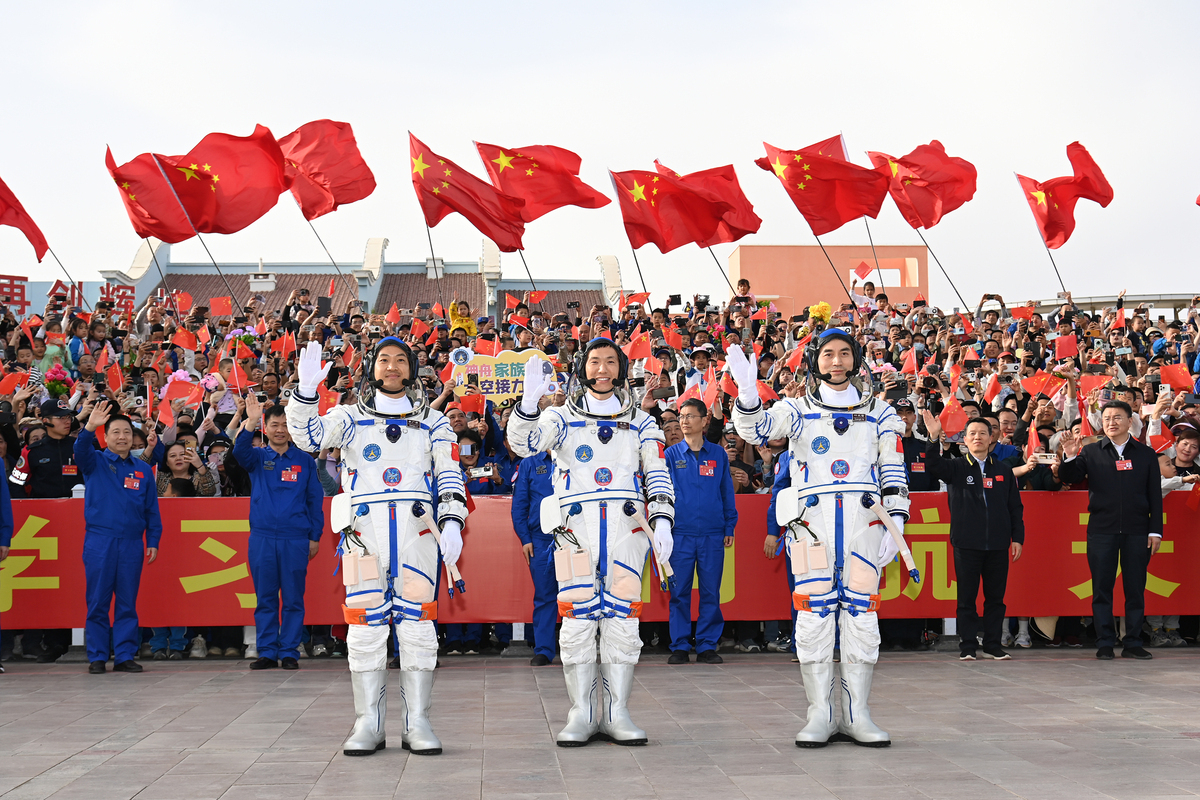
{"points": [[683, 417]]}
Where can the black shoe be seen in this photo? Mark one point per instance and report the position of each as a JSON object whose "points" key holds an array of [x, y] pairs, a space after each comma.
{"points": [[127, 666], [678, 657], [97, 668], [1105, 653], [264, 663], [159, 655], [709, 657], [174, 655], [51, 655], [966, 655], [394, 663], [539, 660], [287, 662], [996, 653], [1140, 653]]}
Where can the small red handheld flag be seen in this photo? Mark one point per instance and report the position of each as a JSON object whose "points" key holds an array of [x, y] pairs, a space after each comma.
{"points": [[537, 297], [220, 306], [393, 315], [862, 270]]}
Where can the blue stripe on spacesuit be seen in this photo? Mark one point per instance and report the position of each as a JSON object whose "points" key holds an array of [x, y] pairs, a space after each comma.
{"points": [[839, 532], [637, 572], [422, 574], [392, 545], [603, 564]]}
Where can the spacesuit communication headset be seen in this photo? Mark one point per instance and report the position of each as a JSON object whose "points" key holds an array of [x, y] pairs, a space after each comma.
{"points": [[580, 381], [370, 385], [815, 376]]}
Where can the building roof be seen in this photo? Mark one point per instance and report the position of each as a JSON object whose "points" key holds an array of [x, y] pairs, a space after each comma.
{"points": [[203, 288], [407, 289]]}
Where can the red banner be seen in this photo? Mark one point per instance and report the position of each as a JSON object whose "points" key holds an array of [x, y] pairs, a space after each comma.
{"points": [[202, 577]]}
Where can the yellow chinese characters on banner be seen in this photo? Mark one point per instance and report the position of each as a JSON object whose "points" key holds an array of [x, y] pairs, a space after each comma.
{"points": [[499, 377]]}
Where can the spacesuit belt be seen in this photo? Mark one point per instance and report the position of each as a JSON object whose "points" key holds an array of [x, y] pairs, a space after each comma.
{"points": [[857, 603], [848, 487], [617, 607], [415, 611], [379, 615], [820, 604], [591, 608]]}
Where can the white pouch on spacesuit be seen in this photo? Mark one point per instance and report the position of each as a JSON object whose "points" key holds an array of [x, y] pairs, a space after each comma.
{"points": [[340, 514], [551, 514], [788, 506]]}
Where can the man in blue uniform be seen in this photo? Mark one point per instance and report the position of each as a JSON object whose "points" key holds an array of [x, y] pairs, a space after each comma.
{"points": [[120, 506], [6, 529], [771, 546], [532, 485], [286, 522], [704, 486]]}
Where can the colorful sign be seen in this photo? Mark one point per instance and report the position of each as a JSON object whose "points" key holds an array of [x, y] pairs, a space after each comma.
{"points": [[202, 576], [499, 377]]}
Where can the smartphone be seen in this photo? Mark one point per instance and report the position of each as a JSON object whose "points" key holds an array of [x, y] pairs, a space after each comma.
{"points": [[1061, 295], [674, 300], [472, 379], [324, 306], [798, 318], [1096, 369], [1106, 395], [1045, 458], [662, 394], [573, 304], [637, 383], [425, 306], [1123, 351], [898, 393], [428, 372], [1191, 399]]}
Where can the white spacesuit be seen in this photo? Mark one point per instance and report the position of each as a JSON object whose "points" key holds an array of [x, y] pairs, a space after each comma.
{"points": [[846, 459], [608, 457], [395, 450]]}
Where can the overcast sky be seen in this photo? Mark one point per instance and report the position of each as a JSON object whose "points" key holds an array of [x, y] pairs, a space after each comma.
{"points": [[695, 84]]}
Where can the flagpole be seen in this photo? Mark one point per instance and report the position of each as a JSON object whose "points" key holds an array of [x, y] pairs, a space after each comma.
{"points": [[835, 272], [723, 275], [436, 272], [876, 255], [639, 269], [966, 307], [1043, 238], [350, 283], [521, 253], [82, 299], [183, 208], [163, 278]]}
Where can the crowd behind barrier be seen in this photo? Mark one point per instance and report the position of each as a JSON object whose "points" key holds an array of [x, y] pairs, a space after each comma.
{"points": [[182, 373]]}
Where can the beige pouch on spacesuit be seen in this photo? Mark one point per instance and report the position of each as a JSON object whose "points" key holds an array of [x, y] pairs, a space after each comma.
{"points": [[798, 550], [368, 568], [349, 569], [818, 556], [572, 562]]}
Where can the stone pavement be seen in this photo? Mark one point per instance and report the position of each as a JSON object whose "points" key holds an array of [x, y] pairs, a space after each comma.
{"points": [[1052, 724]]}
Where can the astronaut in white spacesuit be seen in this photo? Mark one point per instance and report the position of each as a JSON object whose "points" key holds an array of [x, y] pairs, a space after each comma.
{"points": [[847, 469], [608, 464], [396, 453]]}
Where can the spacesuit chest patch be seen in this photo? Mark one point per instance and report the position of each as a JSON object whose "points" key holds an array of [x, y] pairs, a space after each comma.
{"points": [[372, 452], [583, 453], [391, 476], [839, 468], [603, 476], [820, 445]]}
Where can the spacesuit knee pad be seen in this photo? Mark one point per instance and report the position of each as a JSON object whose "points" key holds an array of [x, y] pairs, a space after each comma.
{"points": [[626, 584], [861, 574], [415, 586]]}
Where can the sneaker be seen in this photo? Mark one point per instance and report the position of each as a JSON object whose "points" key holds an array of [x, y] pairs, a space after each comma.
{"points": [[1159, 638], [678, 657], [996, 653], [251, 652], [781, 645], [339, 649], [709, 657], [302, 651], [233, 652], [748, 646], [1073, 641], [198, 648], [1104, 653], [174, 655], [1023, 640], [1007, 639], [966, 655], [471, 650], [145, 651], [320, 651], [726, 644], [160, 655], [1140, 653], [1174, 639], [215, 651]]}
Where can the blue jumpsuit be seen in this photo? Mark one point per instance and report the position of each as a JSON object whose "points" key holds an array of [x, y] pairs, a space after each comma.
{"points": [[531, 486], [286, 513], [120, 506], [703, 486]]}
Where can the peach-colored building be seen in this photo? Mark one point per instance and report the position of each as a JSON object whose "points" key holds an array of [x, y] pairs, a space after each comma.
{"points": [[799, 275]]}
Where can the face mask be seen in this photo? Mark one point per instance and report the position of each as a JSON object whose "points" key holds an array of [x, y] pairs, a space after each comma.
{"points": [[919, 347], [137, 453]]}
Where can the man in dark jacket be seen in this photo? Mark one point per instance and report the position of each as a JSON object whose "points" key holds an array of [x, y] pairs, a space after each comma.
{"points": [[1124, 524], [986, 524]]}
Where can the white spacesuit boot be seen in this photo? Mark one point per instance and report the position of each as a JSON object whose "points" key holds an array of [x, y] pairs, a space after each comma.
{"points": [[614, 705], [416, 690], [370, 708], [582, 719], [822, 701], [856, 717]]}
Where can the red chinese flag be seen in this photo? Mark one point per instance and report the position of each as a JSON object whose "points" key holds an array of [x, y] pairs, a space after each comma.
{"points": [[765, 392], [1120, 320], [102, 359], [1053, 202], [1032, 443], [639, 347], [673, 338], [438, 311], [261, 327], [638, 297], [927, 184], [1022, 312], [418, 328], [326, 398], [653, 365], [472, 403], [862, 270], [723, 182], [605, 334], [332, 287], [285, 345], [443, 187], [1088, 382], [149, 202], [537, 297], [166, 415], [432, 339], [712, 392], [447, 373], [953, 418], [1178, 377], [692, 392], [513, 319], [243, 352], [13, 214], [729, 385], [393, 315], [665, 211], [968, 326], [993, 389], [796, 359], [115, 378], [544, 176], [487, 347], [220, 306], [510, 301], [827, 189], [177, 390], [322, 160], [909, 365], [622, 301], [185, 339], [760, 314], [1066, 347], [1163, 441], [348, 354], [12, 381], [203, 335], [1085, 426]]}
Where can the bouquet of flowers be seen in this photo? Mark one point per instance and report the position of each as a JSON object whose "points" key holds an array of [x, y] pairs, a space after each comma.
{"points": [[245, 335], [57, 382], [177, 375]]}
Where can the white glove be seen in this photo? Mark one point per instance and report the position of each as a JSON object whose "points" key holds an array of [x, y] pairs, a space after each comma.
{"points": [[451, 541], [745, 374], [537, 385], [888, 549], [309, 372], [664, 543]]}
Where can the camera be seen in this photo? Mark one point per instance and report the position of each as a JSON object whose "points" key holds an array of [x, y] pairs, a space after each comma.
{"points": [[662, 394], [1045, 458], [573, 304], [426, 372], [480, 472]]}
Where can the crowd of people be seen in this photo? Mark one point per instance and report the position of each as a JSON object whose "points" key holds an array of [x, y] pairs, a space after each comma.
{"points": [[1040, 379]]}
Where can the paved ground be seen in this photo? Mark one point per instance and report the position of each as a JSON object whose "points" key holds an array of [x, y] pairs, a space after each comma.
{"points": [[1049, 724]]}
